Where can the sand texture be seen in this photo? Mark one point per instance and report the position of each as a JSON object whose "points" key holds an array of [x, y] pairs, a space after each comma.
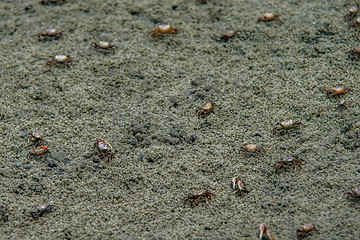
{"points": [[143, 98]]}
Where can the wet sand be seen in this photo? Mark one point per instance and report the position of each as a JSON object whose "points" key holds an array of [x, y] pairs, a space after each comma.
{"points": [[143, 99]]}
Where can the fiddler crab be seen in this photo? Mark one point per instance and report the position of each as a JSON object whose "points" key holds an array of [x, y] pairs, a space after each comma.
{"points": [[206, 109], [238, 187], [38, 151], [354, 53], [342, 105], [104, 46], [229, 34], [287, 125], [355, 193], [268, 17], [264, 232], [337, 91], [296, 163], [163, 29], [49, 34], [198, 196], [355, 24], [43, 208], [35, 138], [103, 149], [352, 12], [252, 149], [60, 60], [305, 230]]}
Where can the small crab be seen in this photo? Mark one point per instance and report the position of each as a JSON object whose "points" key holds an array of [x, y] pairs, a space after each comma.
{"points": [[60, 60], [43, 208], [354, 53], [268, 17], [355, 24], [163, 29], [103, 149], [286, 125], [238, 186], [352, 12], [252, 148], [264, 232], [288, 161], [103, 45], [337, 91], [206, 109], [38, 151], [355, 193], [229, 34], [198, 196], [305, 230], [45, 2], [342, 105], [35, 138], [49, 34]]}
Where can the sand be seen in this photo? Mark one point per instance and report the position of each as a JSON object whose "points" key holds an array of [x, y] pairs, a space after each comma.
{"points": [[143, 99]]}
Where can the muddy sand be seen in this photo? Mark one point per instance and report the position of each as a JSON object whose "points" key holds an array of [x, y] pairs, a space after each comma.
{"points": [[143, 97]]}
